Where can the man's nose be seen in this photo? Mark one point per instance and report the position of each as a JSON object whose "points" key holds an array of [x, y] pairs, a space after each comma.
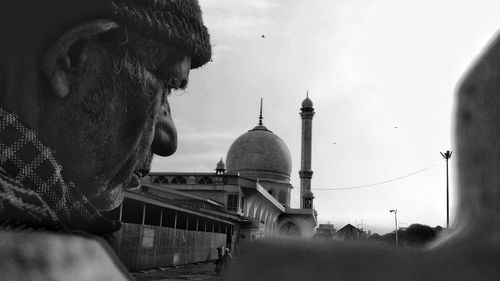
{"points": [[165, 135]]}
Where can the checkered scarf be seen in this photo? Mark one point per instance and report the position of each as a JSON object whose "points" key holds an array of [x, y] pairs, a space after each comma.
{"points": [[33, 193]]}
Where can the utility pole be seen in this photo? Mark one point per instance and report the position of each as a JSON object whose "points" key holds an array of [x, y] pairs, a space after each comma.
{"points": [[446, 156], [395, 211]]}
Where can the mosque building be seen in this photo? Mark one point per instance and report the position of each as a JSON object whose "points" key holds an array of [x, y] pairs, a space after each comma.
{"points": [[177, 218], [254, 185]]}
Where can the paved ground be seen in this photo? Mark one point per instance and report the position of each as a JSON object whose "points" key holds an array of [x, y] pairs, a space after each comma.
{"points": [[193, 272]]}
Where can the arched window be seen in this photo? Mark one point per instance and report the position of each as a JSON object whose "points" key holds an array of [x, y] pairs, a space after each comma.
{"points": [[205, 180], [289, 229], [282, 197], [160, 180], [179, 179], [307, 203]]}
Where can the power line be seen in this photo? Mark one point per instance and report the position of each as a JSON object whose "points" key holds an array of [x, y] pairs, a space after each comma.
{"points": [[380, 183]]}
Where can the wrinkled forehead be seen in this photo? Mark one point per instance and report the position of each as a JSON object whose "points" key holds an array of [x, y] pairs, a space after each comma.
{"points": [[148, 49], [174, 22]]}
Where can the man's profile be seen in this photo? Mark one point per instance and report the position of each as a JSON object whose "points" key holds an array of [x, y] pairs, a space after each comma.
{"points": [[84, 88]]}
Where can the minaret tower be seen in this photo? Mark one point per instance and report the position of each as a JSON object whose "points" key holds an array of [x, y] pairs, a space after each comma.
{"points": [[306, 113]]}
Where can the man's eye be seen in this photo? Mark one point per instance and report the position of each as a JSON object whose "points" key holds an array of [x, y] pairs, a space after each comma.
{"points": [[156, 57]]}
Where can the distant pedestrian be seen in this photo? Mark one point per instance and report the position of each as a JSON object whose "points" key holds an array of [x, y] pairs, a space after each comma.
{"points": [[219, 266], [226, 260]]}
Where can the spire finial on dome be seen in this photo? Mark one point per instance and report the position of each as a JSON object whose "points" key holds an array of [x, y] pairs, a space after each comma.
{"points": [[260, 116], [307, 103]]}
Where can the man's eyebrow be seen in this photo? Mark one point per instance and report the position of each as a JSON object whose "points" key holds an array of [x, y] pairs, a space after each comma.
{"points": [[122, 35]]}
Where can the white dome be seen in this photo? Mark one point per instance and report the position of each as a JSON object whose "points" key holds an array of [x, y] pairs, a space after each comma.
{"points": [[260, 154]]}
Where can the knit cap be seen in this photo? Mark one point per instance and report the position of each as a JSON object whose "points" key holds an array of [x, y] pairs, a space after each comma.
{"points": [[175, 22]]}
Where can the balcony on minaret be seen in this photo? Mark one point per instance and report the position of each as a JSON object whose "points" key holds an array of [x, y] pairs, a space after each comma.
{"points": [[306, 174], [307, 113], [307, 109]]}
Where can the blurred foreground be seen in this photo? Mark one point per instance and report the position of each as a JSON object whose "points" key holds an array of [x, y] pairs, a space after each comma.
{"points": [[344, 261], [192, 272], [316, 260]]}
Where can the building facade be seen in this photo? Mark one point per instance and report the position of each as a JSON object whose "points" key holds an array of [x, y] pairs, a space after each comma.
{"points": [[350, 232], [255, 183], [177, 218], [163, 229]]}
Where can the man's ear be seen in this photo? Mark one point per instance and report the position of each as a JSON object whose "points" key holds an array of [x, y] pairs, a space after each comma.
{"points": [[62, 60]]}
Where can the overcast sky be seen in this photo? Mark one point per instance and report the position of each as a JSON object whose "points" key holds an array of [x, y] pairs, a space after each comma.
{"points": [[381, 74]]}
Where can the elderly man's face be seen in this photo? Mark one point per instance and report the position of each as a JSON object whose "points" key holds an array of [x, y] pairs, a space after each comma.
{"points": [[117, 115]]}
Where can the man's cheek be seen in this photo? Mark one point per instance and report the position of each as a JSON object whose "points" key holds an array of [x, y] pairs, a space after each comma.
{"points": [[147, 104], [148, 133], [139, 116], [146, 130]]}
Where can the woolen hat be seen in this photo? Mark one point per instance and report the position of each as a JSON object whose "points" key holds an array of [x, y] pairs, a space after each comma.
{"points": [[175, 22]]}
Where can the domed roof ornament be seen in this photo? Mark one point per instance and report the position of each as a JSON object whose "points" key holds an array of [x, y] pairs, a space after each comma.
{"points": [[307, 104], [260, 116], [259, 153], [260, 125], [220, 164], [220, 168]]}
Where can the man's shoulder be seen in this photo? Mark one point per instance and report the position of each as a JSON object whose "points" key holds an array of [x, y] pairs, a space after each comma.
{"points": [[49, 256]]}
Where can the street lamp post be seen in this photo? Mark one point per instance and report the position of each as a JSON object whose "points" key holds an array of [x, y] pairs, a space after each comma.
{"points": [[395, 211], [446, 156]]}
